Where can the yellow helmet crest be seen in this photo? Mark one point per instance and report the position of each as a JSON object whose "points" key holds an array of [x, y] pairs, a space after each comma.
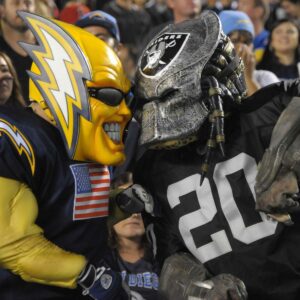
{"points": [[59, 72]]}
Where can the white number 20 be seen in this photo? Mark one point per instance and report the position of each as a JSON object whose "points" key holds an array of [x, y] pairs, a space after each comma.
{"points": [[219, 244]]}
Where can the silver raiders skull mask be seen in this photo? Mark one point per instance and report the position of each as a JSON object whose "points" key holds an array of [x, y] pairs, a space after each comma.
{"points": [[168, 80]]}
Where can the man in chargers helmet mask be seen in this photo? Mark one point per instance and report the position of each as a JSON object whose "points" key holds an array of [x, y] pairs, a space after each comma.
{"points": [[203, 141], [54, 179]]}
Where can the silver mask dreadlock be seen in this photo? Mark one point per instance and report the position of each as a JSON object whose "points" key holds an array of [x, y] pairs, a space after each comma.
{"points": [[182, 76]]}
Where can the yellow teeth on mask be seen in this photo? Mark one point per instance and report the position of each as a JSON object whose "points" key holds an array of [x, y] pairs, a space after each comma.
{"points": [[113, 131]]}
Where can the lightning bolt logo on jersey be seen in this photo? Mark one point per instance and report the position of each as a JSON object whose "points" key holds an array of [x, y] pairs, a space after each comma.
{"points": [[20, 142], [74, 194], [76, 131], [60, 75]]}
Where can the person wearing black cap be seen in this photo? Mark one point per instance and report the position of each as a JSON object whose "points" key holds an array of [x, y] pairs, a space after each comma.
{"points": [[102, 25], [105, 26]]}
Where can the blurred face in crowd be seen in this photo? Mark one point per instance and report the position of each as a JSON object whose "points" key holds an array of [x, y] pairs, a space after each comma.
{"points": [[45, 8], [103, 34], [246, 6], [139, 3], [285, 38], [241, 37], [185, 9], [130, 228], [292, 9], [8, 12], [6, 81], [256, 10]]}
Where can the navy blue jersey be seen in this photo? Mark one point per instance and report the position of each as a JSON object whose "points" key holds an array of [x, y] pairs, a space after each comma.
{"points": [[72, 196], [217, 221], [141, 277]]}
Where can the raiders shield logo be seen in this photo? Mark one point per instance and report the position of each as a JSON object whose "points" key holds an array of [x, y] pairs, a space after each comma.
{"points": [[161, 52], [106, 281]]}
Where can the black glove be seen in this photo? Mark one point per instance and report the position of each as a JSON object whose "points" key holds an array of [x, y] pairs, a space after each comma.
{"points": [[101, 282]]}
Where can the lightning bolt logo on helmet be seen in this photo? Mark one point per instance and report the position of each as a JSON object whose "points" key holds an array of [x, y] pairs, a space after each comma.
{"points": [[76, 79]]}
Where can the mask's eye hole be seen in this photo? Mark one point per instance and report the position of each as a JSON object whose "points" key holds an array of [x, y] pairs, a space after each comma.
{"points": [[109, 96], [166, 93]]}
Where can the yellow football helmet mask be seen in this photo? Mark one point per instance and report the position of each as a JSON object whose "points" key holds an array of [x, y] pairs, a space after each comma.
{"points": [[80, 84]]}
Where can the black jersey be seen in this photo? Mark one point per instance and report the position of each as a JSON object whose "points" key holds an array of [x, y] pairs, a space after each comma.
{"points": [[217, 221], [72, 196]]}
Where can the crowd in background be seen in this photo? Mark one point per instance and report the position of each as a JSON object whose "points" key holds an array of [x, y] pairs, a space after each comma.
{"points": [[274, 42], [139, 20]]}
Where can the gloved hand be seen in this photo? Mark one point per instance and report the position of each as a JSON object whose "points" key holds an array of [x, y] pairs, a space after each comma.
{"points": [[220, 287], [135, 199], [127, 198], [101, 282], [183, 277]]}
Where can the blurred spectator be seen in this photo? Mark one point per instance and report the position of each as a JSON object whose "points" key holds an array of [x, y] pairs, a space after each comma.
{"points": [[102, 25], [158, 11], [128, 61], [46, 8], [60, 4], [14, 30], [181, 10], [228, 4], [105, 26], [213, 5], [138, 4], [258, 11], [238, 26], [72, 11], [276, 13], [134, 255], [133, 24], [184, 9], [282, 55], [292, 8], [10, 89], [97, 4]]}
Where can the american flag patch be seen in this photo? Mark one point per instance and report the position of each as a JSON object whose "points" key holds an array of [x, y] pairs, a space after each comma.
{"points": [[92, 183]]}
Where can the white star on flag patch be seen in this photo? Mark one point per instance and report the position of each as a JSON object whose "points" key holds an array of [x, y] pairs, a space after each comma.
{"points": [[91, 198]]}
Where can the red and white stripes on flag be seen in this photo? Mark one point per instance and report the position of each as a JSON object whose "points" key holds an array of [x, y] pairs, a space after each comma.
{"points": [[91, 195]]}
